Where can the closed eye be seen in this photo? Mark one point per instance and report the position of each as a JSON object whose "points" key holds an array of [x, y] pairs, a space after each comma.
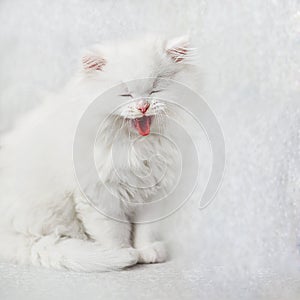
{"points": [[126, 95], [154, 92]]}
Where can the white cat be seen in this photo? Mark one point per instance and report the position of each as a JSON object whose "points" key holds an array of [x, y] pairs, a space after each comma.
{"points": [[56, 216]]}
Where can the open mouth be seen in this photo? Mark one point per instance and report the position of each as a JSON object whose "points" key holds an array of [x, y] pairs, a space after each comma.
{"points": [[142, 125]]}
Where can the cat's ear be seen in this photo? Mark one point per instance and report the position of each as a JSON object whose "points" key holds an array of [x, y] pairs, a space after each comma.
{"points": [[93, 61], [179, 49]]}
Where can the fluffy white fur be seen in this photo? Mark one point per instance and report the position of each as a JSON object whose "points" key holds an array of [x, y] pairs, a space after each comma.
{"points": [[46, 218]]}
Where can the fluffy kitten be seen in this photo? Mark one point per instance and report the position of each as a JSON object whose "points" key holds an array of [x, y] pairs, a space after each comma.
{"points": [[56, 216]]}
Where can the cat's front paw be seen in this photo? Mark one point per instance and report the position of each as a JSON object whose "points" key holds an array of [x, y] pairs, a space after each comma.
{"points": [[154, 253]]}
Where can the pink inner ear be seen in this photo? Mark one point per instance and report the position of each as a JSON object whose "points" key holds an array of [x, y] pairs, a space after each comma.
{"points": [[93, 63], [177, 54]]}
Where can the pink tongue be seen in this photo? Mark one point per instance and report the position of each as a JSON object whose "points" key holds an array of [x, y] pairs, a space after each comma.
{"points": [[143, 125]]}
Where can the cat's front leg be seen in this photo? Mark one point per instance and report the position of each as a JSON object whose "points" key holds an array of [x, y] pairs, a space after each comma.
{"points": [[104, 230], [146, 242]]}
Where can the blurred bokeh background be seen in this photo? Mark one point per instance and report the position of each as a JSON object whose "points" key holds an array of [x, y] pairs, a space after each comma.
{"points": [[245, 245]]}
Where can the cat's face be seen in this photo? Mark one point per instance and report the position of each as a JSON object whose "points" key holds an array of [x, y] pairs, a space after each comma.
{"points": [[141, 69]]}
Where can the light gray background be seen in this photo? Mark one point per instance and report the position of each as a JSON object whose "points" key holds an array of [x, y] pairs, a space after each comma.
{"points": [[245, 244]]}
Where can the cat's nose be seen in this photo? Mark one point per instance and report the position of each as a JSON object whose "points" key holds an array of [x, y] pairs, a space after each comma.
{"points": [[143, 106]]}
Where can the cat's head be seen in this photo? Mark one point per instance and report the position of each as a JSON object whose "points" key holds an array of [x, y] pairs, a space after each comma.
{"points": [[144, 71]]}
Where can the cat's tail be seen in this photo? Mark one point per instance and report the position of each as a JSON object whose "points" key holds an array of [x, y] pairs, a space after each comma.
{"points": [[65, 253]]}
